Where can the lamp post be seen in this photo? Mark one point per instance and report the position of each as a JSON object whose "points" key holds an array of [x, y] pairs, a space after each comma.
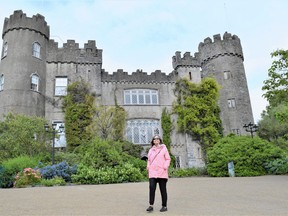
{"points": [[54, 132], [252, 128]]}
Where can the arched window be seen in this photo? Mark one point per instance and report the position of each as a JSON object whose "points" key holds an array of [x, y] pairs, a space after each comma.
{"points": [[36, 48], [141, 97], [1, 82], [5, 49], [34, 82], [141, 131]]}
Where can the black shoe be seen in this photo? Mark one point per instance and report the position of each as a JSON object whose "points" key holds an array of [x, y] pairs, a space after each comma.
{"points": [[149, 209], [163, 209]]}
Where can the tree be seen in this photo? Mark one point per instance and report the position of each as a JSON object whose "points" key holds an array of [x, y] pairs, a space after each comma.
{"points": [[276, 86], [108, 122], [198, 111], [22, 135], [273, 130], [273, 125], [79, 108]]}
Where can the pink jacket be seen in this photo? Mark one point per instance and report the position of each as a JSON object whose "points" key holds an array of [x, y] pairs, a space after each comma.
{"points": [[158, 162]]}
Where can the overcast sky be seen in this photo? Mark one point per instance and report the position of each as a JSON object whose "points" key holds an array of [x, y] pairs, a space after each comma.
{"points": [[145, 34]]}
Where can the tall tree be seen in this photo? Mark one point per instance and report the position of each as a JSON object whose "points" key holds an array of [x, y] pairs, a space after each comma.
{"points": [[273, 125], [276, 86], [198, 111]]}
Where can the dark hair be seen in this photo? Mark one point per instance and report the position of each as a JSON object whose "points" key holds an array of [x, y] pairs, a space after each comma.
{"points": [[158, 137]]}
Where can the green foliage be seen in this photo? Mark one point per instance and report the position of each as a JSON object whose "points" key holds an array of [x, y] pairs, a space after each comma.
{"points": [[278, 166], [167, 127], [273, 130], [118, 123], [130, 148], [22, 135], [12, 166], [100, 153], [78, 106], [56, 181], [27, 177], [276, 86], [248, 154], [107, 175], [70, 158], [108, 122], [176, 173], [198, 111]]}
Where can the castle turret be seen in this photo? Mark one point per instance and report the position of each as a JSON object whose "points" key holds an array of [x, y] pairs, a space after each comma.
{"points": [[23, 64], [223, 60], [187, 66]]}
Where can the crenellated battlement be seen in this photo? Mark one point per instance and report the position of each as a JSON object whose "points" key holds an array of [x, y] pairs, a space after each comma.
{"points": [[19, 20], [186, 61], [70, 52], [138, 76], [229, 45]]}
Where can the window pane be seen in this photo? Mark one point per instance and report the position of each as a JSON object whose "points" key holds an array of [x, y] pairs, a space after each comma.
{"points": [[34, 82], [61, 81], [141, 96], [5, 49], [61, 86], [36, 50], [60, 90], [127, 99], [142, 130], [134, 99], [154, 99], [60, 142]]}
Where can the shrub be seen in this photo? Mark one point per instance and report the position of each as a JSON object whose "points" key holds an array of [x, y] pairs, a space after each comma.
{"points": [[188, 172], [278, 166], [100, 153], [11, 167], [62, 170], [107, 175], [56, 181], [27, 177], [248, 154]]}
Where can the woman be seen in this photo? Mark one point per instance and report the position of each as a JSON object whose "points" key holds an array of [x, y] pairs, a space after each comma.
{"points": [[157, 166]]}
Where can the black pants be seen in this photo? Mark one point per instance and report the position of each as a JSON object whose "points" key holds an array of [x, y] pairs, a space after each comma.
{"points": [[152, 188]]}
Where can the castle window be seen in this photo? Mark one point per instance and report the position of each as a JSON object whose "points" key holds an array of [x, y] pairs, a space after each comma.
{"points": [[236, 131], [36, 48], [1, 82], [5, 49], [60, 140], [190, 75], [140, 96], [141, 131], [227, 75], [34, 82], [177, 162], [61, 86], [231, 103]]}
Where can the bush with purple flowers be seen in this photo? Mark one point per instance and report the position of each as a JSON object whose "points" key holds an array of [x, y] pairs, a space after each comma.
{"points": [[61, 169]]}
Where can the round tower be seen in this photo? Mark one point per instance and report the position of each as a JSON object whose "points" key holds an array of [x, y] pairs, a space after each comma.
{"points": [[223, 60], [23, 64]]}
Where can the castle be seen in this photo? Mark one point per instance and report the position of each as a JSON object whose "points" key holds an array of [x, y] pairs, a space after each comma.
{"points": [[34, 74]]}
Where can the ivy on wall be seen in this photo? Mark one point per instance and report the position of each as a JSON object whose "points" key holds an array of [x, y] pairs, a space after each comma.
{"points": [[79, 108], [198, 111], [167, 127]]}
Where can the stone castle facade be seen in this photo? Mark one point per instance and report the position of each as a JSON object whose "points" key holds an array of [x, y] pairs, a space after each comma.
{"points": [[34, 74]]}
